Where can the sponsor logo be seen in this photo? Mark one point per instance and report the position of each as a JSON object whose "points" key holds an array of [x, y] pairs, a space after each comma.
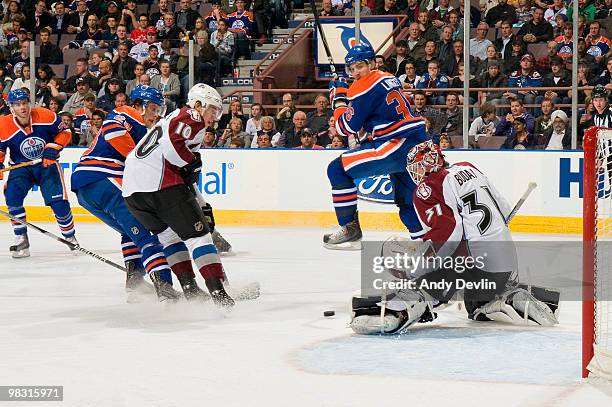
{"points": [[32, 147], [423, 191], [214, 181], [376, 189], [237, 82], [571, 173]]}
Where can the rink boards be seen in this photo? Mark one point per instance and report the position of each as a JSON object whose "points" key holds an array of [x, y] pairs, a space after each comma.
{"points": [[290, 188]]}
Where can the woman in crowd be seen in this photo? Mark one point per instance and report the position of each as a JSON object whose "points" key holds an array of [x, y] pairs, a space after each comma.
{"points": [[233, 132], [235, 111], [337, 141]]}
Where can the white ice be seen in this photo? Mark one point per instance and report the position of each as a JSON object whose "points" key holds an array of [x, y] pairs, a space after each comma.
{"points": [[64, 321]]}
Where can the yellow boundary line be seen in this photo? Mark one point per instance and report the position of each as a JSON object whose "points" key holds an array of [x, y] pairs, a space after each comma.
{"points": [[369, 220]]}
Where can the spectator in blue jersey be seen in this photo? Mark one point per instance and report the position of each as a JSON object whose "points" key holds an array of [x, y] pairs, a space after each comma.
{"points": [[505, 127], [433, 80], [242, 24], [214, 16], [525, 77]]}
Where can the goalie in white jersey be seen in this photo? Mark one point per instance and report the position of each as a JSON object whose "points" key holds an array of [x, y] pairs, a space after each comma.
{"points": [[158, 184], [463, 216]]}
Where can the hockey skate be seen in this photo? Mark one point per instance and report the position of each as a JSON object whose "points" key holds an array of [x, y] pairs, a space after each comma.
{"points": [[219, 296], [191, 291], [136, 288], [21, 248], [347, 237], [164, 290], [220, 243], [73, 240]]}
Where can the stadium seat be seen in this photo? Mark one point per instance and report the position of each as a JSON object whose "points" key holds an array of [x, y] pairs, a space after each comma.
{"points": [[59, 70], [65, 39]]}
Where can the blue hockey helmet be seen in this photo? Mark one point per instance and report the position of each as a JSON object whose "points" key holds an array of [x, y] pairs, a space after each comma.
{"points": [[17, 95], [358, 53], [147, 94]]}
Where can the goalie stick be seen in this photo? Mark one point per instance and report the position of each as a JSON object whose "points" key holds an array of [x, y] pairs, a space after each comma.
{"points": [[532, 185], [71, 245]]}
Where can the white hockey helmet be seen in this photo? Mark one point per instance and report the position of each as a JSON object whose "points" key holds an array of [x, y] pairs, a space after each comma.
{"points": [[207, 96]]}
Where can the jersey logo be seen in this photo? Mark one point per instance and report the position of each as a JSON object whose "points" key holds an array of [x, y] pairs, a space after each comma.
{"points": [[199, 226], [135, 230], [423, 191], [32, 147], [195, 116], [238, 25]]}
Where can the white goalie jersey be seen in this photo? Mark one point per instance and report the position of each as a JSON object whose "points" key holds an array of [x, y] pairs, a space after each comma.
{"points": [[154, 163], [458, 204]]}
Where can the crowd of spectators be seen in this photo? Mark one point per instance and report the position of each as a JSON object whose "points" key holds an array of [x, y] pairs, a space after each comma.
{"points": [[514, 44]]}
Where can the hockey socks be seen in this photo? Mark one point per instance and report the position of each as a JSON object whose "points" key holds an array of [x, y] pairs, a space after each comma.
{"points": [[150, 259], [63, 215], [205, 256], [344, 192], [18, 212]]}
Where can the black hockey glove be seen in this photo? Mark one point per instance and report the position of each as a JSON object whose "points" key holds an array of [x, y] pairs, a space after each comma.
{"points": [[191, 172], [208, 214]]}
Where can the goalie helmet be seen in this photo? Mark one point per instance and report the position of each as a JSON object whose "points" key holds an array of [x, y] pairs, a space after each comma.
{"points": [[207, 96], [424, 159]]}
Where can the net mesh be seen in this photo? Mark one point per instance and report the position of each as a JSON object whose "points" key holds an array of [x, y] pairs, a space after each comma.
{"points": [[602, 361]]}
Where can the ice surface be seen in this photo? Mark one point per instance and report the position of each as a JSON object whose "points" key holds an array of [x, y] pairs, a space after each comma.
{"points": [[63, 321]]}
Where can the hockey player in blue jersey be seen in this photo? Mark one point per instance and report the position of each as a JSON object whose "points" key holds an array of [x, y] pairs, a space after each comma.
{"points": [[376, 104], [34, 134], [97, 181]]}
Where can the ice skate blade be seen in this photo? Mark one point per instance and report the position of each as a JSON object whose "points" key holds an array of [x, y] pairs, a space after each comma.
{"points": [[344, 246], [20, 254]]}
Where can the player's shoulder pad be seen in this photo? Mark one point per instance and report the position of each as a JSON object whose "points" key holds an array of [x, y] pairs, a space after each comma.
{"points": [[8, 128], [130, 112], [42, 116], [368, 82], [467, 164]]}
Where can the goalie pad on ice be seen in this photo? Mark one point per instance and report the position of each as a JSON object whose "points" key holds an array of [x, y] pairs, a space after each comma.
{"points": [[517, 306], [375, 315]]}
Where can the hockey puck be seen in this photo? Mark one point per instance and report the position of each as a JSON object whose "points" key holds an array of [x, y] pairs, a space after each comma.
{"points": [[329, 313]]}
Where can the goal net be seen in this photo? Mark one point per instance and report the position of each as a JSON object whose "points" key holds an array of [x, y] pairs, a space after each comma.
{"points": [[597, 254]]}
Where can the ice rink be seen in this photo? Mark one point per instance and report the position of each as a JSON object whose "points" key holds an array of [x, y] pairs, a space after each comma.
{"points": [[64, 321]]}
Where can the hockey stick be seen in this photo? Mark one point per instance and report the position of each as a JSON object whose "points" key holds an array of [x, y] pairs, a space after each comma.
{"points": [[532, 185], [26, 164], [71, 245], [332, 67]]}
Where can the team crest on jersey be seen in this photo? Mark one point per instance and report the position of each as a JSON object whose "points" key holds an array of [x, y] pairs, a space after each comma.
{"points": [[195, 116], [135, 230], [594, 50], [423, 191], [32, 147], [238, 25], [199, 226]]}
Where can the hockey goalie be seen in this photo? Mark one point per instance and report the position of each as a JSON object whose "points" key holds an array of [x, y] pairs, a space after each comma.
{"points": [[464, 217]]}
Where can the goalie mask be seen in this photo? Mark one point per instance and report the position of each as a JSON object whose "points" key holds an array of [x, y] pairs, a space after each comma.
{"points": [[424, 159]]}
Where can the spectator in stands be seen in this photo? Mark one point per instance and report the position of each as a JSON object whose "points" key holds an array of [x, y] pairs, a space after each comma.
{"points": [[235, 111], [54, 86], [139, 34], [381, 63], [237, 143], [323, 138], [445, 45], [13, 9], [82, 72], [428, 30], [210, 138], [421, 109], [140, 52], [307, 139], [485, 124], [185, 17], [504, 42], [223, 41], [544, 121], [564, 43], [430, 55], [454, 116], [525, 77], [500, 13], [113, 87], [492, 55], [412, 11], [152, 62], [232, 133], [337, 141], [318, 119], [290, 138], [157, 18], [551, 53], [94, 63], [598, 46], [524, 12], [23, 56], [169, 85], [77, 100], [457, 82], [409, 78], [6, 80], [109, 25], [364, 11], [67, 121], [439, 14], [23, 78], [595, 67], [493, 78], [396, 62], [54, 105], [39, 19], [327, 9], [105, 73], [77, 21], [267, 128], [263, 140], [119, 38], [170, 31], [557, 8], [433, 80], [605, 78], [92, 37], [120, 99], [49, 53], [285, 115], [124, 65], [82, 116], [504, 128], [450, 67], [586, 9], [60, 19], [559, 135], [561, 20], [137, 73], [455, 21], [537, 30], [584, 79], [446, 143], [214, 16], [242, 24], [128, 16], [89, 133], [253, 125], [557, 78], [479, 44], [112, 11], [521, 138], [416, 43], [513, 62]]}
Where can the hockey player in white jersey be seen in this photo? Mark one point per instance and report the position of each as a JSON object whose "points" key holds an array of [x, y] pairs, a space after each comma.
{"points": [[463, 216], [158, 184]]}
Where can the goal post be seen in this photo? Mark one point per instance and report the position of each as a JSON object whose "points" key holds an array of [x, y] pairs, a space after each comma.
{"points": [[597, 259]]}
